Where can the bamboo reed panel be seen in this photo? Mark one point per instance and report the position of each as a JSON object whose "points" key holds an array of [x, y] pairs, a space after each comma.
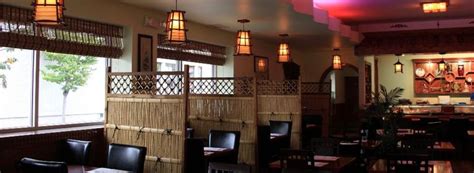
{"points": [[144, 129], [226, 113], [225, 120], [281, 108], [143, 122]]}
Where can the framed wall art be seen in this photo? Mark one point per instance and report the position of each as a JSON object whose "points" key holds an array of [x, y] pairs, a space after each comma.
{"points": [[145, 53]]}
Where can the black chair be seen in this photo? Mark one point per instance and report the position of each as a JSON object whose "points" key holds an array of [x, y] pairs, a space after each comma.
{"points": [[296, 160], [311, 128], [126, 157], [77, 152], [28, 165], [228, 168], [264, 151], [282, 128], [194, 156], [225, 139], [324, 146]]}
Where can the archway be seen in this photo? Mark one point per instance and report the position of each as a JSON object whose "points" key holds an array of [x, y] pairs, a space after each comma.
{"points": [[344, 98]]}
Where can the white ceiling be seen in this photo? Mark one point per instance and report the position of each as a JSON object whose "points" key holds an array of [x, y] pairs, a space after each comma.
{"points": [[268, 19]]}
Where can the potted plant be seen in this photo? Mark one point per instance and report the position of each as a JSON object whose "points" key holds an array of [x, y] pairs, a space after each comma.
{"points": [[381, 113]]}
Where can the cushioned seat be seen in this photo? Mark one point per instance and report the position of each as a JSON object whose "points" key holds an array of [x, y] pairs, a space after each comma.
{"points": [[282, 128], [28, 165], [225, 139], [77, 152], [126, 157]]}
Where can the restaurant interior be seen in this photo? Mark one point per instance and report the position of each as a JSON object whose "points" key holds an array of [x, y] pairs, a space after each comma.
{"points": [[236, 86]]}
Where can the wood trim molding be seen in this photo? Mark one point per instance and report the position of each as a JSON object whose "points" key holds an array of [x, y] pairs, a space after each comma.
{"points": [[419, 41]]}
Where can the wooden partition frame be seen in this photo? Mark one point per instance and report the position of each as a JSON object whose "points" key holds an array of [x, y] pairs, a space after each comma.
{"points": [[152, 109], [281, 100], [316, 100], [225, 104], [149, 109]]}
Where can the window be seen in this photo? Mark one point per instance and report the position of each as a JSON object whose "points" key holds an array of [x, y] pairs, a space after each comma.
{"points": [[195, 69], [16, 88], [64, 89]]}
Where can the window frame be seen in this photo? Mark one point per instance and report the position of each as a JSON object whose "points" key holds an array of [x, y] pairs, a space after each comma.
{"points": [[181, 67], [34, 118]]}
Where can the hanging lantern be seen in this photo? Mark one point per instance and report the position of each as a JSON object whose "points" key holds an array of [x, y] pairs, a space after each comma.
{"points": [[284, 50], [336, 61], [243, 45], [49, 12], [398, 66], [442, 64], [175, 26]]}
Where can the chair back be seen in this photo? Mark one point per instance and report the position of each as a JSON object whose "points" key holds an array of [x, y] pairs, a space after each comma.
{"points": [[403, 163], [29, 165], [299, 159], [281, 127], [77, 152], [228, 168], [126, 157], [194, 156], [324, 146], [224, 139]]}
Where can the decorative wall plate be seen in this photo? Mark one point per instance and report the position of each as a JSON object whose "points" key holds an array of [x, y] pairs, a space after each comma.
{"points": [[420, 72], [450, 77], [430, 78]]}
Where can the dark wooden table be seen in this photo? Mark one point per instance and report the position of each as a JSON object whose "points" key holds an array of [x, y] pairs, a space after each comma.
{"points": [[332, 163], [380, 166], [212, 152], [89, 169]]}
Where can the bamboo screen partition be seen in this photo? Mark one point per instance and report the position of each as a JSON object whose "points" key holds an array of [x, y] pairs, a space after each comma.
{"points": [[225, 104], [280, 100], [316, 100], [148, 109]]}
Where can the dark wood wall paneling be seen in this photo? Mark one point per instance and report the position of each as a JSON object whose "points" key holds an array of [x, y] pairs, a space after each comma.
{"points": [[417, 41], [48, 147]]}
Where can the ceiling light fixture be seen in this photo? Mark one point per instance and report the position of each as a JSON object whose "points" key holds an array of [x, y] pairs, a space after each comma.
{"points": [[243, 45], [442, 65], [284, 50], [434, 7], [175, 26], [48, 12], [398, 66], [336, 61]]}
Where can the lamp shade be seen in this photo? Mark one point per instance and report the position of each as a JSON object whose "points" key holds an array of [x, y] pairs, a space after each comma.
{"points": [[336, 62], [49, 12], [243, 46], [284, 53], [442, 65], [261, 65], [175, 27], [398, 67]]}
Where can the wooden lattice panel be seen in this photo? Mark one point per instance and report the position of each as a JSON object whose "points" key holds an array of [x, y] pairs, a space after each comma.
{"points": [[285, 87], [315, 88], [222, 86], [155, 84]]}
